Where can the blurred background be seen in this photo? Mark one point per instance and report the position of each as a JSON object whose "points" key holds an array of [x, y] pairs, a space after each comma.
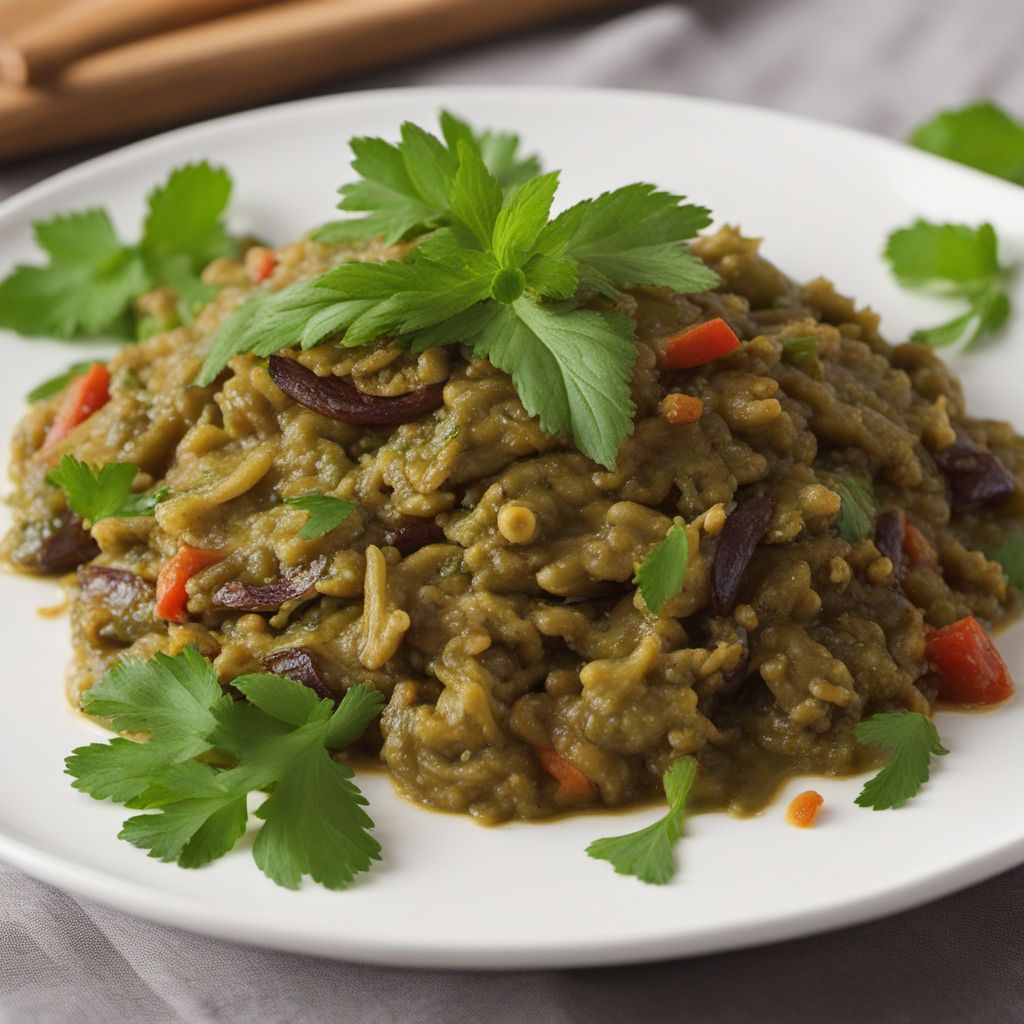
{"points": [[78, 76]]}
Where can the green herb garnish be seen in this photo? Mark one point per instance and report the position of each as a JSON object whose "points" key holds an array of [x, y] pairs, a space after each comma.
{"points": [[648, 854], [405, 186], [278, 738], [1010, 555], [92, 278], [103, 492], [955, 261], [662, 572], [500, 276], [802, 353], [980, 135], [54, 385], [913, 739], [325, 513], [857, 512]]}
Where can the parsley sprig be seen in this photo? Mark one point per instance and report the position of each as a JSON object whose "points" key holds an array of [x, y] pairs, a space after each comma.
{"points": [[956, 261], [913, 740], [498, 274], [103, 492], [648, 854], [92, 277], [278, 738]]}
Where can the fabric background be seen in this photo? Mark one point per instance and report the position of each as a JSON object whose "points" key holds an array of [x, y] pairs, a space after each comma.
{"points": [[879, 64]]}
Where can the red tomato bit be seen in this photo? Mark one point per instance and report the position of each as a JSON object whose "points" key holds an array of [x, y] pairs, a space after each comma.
{"points": [[804, 809], [171, 595], [969, 668], [572, 783], [700, 344], [83, 397], [259, 263]]}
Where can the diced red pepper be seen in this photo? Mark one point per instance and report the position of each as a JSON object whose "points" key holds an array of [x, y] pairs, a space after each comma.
{"points": [[681, 409], [700, 344], [917, 547], [259, 263], [572, 783], [969, 668], [83, 397], [804, 808], [171, 595]]}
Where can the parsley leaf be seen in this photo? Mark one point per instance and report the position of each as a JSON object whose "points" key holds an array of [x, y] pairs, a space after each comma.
{"points": [[913, 739], [1010, 555], [54, 385], [92, 278], [857, 511], [956, 261], [278, 738], [103, 492], [648, 853], [325, 513], [980, 135], [662, 572], [496, 274], [405, 187]]}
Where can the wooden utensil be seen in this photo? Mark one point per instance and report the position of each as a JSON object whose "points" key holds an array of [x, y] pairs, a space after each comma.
{"points": [[247, 59], [49, 42]]}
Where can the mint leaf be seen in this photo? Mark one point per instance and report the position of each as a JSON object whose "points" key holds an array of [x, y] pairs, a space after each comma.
{"points": [[325, 513], [980, 135], [648, 853], [661, 574], [913, 740], [103, 492]]}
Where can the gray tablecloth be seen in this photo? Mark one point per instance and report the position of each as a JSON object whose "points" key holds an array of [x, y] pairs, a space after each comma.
{"points": [[878, 64]]}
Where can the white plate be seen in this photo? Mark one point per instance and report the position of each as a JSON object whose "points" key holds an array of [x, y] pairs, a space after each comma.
{"points": [[449, 892]]}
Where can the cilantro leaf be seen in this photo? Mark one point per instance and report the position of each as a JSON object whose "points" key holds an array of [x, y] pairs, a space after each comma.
{"points": [[174, 699], [92, 278], [648, 853], [802, 353], [325, 513], [913, 739], [980, 135], [103, 492], [631, 236], [957, 261], [498, 150], [661, 574], [856, 511], [571, 369], [86, 287], [1010, 555], [405, 187], [494, 272], [54, 385], [277, 738]]}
